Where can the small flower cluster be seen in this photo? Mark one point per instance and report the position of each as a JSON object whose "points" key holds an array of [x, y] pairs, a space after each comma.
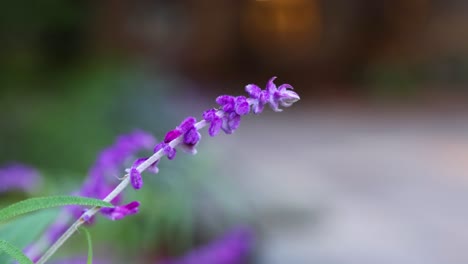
{"points": [[19, 177], [232, 248], [227, 118]]}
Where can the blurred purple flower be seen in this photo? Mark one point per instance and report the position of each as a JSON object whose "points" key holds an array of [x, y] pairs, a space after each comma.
{"points": [[233, 248], [19, 177], [110, 161]]}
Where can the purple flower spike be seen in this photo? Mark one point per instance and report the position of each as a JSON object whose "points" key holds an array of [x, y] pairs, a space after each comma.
{"points": [[135, 179], [119, 212]]}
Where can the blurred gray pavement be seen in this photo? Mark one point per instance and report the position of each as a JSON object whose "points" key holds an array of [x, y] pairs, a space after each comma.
{"points": [[355, 186]]}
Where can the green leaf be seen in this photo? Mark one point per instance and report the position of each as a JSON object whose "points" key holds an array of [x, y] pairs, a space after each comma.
{"points": [[90, 245], [24, 230], [34, 204], [14, 252]]}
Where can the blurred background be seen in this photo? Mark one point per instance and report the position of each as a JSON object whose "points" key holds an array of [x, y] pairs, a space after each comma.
{"points": [[369, 167]]}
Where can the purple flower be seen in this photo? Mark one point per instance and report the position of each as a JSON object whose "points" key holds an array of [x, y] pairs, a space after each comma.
{"points": [[280, 96], [258, 98], [119, 212], [215, 121], [169, 151], [191, 137], [19, 177], [231, 122], [135, 178], [242, 106], [227, 102], [232, 248]]}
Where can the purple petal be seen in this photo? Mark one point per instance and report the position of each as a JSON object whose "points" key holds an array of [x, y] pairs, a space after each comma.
{"points": [[274, 105], [215, 127], [284, 87], [234, 121], [227, 102], [192, 137], [138, 162], [136, 179], [225, 126], [242, 106], [171, 135], [209, 115], [253, 90], [231, 122], [288, 97], [258, 108], [271, 87], [264, 96], [120, 212], [170, 152], [188, 123]]}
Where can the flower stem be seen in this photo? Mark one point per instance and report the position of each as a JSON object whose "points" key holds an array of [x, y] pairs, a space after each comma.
{"points": [[117, 190]]}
